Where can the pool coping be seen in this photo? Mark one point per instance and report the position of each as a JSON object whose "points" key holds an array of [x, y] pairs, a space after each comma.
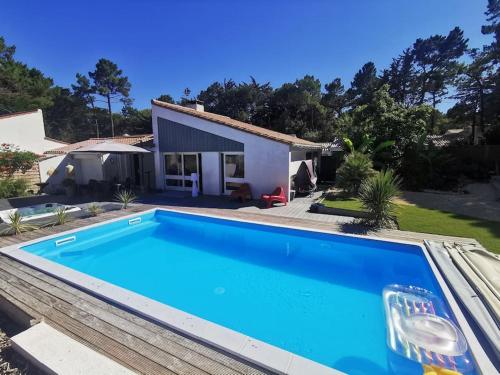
{"points": [[243, 346]]}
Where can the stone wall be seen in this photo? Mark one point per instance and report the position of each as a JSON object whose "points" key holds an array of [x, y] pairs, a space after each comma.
{"points": [[32, 176]]}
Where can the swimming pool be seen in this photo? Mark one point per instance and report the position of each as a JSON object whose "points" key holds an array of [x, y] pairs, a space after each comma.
{"points": [[316, 295]]}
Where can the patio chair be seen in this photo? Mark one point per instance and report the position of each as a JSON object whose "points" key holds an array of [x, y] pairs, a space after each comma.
{"points": [[244, 192], [278, 195]]}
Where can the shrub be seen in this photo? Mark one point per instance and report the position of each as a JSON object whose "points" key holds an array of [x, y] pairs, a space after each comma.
{"points": [[355, 169], [125, 197], [94, 209], [377, 194], [16, 225], [13, 160], [61, 216], [10, 187]]}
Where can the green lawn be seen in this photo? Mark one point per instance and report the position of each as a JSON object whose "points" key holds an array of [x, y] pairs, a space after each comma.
{"points": [[424, 220]]}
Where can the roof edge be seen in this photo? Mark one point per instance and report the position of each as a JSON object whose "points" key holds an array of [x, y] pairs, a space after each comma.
{"points": [[238, 125]]}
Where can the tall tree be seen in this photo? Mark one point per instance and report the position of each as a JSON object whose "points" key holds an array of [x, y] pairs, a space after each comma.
{"points": [[364, 85], [436, 60], [400, 76], [335, 97], [21, 87], [493, 14], [110, 83], [473, 86], [295, 108], [85, 91], [166, 98]]}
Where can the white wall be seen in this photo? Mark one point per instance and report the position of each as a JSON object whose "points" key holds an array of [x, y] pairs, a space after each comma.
{"points": [[211, 173], [27, 132], [266, 161], [58, 164]]}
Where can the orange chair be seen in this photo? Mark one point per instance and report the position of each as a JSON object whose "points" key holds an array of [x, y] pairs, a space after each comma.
{"points": [[278, 195], [244, 192]]}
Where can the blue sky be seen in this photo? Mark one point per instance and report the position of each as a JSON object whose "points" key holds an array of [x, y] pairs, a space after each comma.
{"points": [[165, 46]]}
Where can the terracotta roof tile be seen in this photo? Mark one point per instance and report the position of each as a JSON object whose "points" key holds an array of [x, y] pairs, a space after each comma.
{"points": [[243, 126], [144, 140]]}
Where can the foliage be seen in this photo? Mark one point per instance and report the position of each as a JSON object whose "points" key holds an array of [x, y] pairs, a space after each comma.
{"points": [[355, 169], [425, 166], [13, 160], [17, 225], [424, 220], [377, 195], [125, 197], [166, 98], [10, 188], [363, 86], [94, 209], [61, 216], [384, 119], [21, 88]]}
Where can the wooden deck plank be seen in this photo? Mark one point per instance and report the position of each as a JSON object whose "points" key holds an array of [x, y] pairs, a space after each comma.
{"points": [[163, 343], [159, 333]]}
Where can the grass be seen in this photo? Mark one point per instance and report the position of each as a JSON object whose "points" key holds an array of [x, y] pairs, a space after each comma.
{"points": [[424, 220]]}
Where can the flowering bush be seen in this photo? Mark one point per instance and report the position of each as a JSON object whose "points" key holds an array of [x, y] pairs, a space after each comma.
{"points": [[13, 160]]}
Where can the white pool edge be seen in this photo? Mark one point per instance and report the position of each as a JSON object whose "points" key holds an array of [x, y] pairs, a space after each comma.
{"points": [[255, 351]]}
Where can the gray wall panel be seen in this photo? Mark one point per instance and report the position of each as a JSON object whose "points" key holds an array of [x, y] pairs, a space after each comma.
{"points": [[175, 137]]}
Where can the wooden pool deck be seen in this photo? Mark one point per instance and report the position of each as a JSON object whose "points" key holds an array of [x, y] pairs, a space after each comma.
{"points": [[123, 336]]}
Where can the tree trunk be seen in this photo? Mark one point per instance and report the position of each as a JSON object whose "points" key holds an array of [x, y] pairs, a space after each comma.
{"points": [[111, 116], [481, 109], [433, 115], [474, 141], [94, 114]]}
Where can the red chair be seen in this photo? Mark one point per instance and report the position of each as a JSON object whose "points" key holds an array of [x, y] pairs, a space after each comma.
{"points": [[278, 195]]}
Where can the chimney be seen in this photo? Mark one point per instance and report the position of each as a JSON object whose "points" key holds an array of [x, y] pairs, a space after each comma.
{"points": [[196, 105]]}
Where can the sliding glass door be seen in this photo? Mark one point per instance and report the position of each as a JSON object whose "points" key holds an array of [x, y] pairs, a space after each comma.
{"points": [[178, 169]]}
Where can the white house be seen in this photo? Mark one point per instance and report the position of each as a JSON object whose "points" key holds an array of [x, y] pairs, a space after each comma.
{"points": [[223, 152], [26, 130]]}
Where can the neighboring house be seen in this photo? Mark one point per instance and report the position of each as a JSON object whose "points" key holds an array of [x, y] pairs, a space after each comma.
{"points": [[26, 130], [100, 166], [223, 152]]}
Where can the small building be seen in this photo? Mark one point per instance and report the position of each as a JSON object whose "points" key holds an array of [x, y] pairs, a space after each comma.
{"points": [[26, 131], [138, 169], [222, 151]]}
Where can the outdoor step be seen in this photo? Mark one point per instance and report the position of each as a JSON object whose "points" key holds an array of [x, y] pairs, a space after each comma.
{"points": [[56, 353]]}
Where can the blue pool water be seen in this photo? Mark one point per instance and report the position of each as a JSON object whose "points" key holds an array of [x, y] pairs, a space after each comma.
{"points": [[316, 295]]}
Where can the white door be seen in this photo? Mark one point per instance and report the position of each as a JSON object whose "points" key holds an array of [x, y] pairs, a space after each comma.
{"points": [[233, 171]]}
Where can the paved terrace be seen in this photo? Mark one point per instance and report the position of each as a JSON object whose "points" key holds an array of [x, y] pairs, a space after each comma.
{"points": [[127, 338]]}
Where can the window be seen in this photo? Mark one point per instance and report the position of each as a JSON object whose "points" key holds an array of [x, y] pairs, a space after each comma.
{"points": [[173, 164], [178, 169], [190, 164], [235, 166]]}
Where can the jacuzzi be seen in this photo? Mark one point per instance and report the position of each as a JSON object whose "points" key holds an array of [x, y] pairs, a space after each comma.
{"points": [[37, 211]]}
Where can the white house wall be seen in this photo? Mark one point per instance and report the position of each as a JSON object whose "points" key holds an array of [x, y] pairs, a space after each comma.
{"points": [[211, 173], [266, 161], [27, 132], [57, 165]]}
